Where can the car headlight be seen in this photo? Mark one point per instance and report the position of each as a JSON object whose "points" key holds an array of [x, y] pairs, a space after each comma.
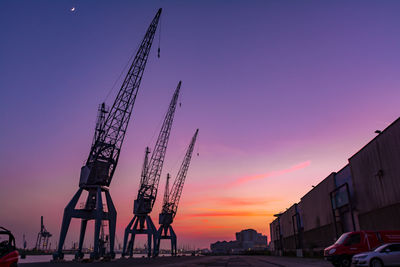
{"points": [[332, 250], [362, 256]]}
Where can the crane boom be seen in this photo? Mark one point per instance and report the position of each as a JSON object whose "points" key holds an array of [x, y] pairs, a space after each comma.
{"points": [[171, 205], [166, 192], [149, 185], [106, 147], [145, 164]]}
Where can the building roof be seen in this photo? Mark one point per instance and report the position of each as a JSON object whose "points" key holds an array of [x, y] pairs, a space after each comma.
{"points": [[376, 137]]}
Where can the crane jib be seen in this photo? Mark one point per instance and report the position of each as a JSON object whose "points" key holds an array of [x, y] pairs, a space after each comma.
{"points": [[170, 204], [108, 142], [149, 184]]}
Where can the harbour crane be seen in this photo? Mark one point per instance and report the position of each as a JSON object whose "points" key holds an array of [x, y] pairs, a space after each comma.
{"points": [[171, 201], [42, 240], [97, 173], [151, 173]]}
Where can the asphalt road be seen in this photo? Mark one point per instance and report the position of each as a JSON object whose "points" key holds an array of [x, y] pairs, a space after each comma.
{"points": [[250, 261], [200, 261]]}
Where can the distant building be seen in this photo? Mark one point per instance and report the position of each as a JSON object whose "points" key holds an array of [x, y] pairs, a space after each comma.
{"points": [[247, 239], [250, 239], [224, 247]]}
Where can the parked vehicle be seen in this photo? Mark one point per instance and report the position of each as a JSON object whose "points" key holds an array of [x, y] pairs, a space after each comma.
{"points": [[385, 255], [352, 243], [8, 252]]}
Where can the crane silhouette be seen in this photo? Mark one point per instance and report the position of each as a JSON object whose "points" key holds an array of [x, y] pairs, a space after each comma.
{"points": [[171, 201], [150, 178], [98, 171]]}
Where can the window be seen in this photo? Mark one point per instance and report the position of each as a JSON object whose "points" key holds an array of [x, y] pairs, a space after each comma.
{"points": [[354, 239], [395, 247], [342, 238]]}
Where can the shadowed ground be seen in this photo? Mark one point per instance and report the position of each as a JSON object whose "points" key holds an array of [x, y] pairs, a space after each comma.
{"points": [[207, 261]]}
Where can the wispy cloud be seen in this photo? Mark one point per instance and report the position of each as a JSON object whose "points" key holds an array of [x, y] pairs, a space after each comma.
{"points": [[293, 168], [227, 213], [231, 201], [235, 201]]}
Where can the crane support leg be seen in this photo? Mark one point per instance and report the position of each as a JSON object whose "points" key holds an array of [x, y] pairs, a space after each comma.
{"points": [[69, 209], [38, 240], [97, 225], [152, 232], [93, 210], [140, 224], [173, 241], [157, 243], [112, 222], [79, 254], [125, 249], [165, 232], [132, 240]]}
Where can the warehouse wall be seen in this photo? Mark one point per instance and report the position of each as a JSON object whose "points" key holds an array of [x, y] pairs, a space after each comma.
{"points": [[287, 228], [373, 177], [315, 205], [342, 202], [317, 215], [376, 178], [275, 236], [344, 176]]}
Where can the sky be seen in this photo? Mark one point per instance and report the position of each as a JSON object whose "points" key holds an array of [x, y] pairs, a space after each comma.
{"points": [[283, 92]]}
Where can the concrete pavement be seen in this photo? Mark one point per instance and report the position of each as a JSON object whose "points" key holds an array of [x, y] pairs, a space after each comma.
{"points": [[200, 261]]}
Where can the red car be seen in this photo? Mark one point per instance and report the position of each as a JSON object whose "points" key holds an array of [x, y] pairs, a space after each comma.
{"points": [[8, 252], [351, 243]]}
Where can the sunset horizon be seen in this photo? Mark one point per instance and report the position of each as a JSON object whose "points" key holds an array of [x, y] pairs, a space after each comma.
{"points": [[283, 94]]}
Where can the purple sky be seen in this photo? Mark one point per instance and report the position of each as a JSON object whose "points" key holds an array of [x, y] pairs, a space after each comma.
{"points": [[270, 84]]}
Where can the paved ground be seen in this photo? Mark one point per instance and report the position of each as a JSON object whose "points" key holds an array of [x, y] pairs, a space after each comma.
{"points": [[200, 261]]}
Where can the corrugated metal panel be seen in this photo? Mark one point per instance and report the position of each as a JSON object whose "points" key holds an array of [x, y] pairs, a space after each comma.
{"points": [[376, 171], [286, 221], [272, 226], [315, 206]]}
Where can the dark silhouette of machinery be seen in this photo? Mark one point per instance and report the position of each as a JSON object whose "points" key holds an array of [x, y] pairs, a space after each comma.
{"points": [[8, 252], [42, 240], [150, 177], [97, 173], [171, 201]]}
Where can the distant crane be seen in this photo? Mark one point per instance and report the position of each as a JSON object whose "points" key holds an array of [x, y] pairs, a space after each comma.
{"points": [[171, 201], [42, 240], [100, 166], [150, 177]]}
